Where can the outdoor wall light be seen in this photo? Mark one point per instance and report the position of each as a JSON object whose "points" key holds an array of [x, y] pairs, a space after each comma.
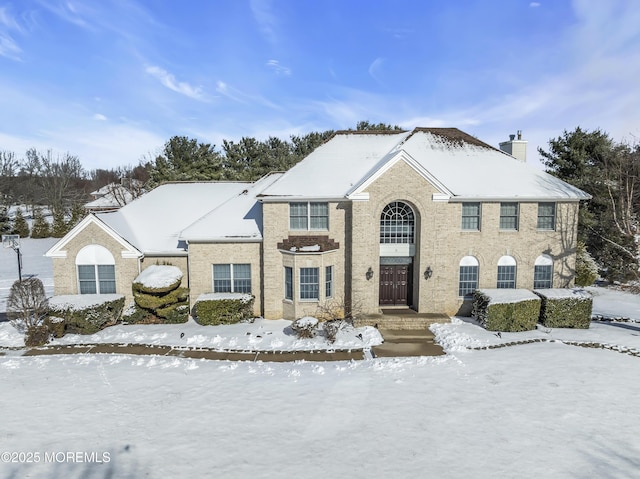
{"points": [[369, 273], [428, 272]]}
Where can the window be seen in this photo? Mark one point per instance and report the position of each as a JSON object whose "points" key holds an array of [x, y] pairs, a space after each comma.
{"points": [[309, 216], [509, 216], [232, 278], [397, 223], [547, 216], [543, 272], [471, 216], [468, 276], [96, 270], [328, 281], [309, 283], [506, 272], [288, 282]]}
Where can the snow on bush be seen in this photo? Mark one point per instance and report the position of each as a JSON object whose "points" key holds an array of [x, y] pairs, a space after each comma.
{"points": [[158, 279], [87, 313], [223, 308], [565, 308], [506, 309], [305, 327]]}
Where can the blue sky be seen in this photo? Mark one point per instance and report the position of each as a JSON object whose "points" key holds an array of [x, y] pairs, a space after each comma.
{"points": [[112, 80]]}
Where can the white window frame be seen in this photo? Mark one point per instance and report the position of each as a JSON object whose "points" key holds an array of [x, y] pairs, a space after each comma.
{"points": [[543, 261], [232, 278], [510, 217], [97, 279], [328, 281], [478, 216], [309, 216], [554, 217], [288, 271], [507, 265], [468, 262], [303, 287]]}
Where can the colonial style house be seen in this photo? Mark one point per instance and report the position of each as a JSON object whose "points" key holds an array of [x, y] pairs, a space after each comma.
{"points": [[414, 219]]}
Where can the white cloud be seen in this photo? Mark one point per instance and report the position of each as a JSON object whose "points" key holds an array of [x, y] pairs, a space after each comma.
{"points": [[265, 18], [99, 117], [9, 48], [534, 4], [279, 69], [375, 68], [168, 80]]}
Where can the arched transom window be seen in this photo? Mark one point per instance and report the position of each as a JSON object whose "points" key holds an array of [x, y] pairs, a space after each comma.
{"points": [[397, 223]]}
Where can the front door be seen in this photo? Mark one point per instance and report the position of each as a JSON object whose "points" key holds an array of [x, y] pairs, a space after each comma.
{"points": [[395, 283]]}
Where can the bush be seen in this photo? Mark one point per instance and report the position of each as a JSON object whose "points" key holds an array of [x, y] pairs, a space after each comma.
{"points": [[157, 280], [87, 313], [20, 225], [159, 297], [565, 308], [40, 228], [508, 310], [305, 327], [36, 336], [586, 267], [331, 329], [55, 325], [223, 308]]}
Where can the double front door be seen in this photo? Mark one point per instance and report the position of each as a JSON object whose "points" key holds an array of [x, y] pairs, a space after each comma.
{"points": [[395, 285]]}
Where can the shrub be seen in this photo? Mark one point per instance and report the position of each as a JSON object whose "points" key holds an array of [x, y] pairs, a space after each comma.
{"points": [[157, 280], [40, 228], [37, 336], [27, 304], [305, 327], [159, 297], [586, 267], [55, 325], [87, 313], [134, 314], [565, 308], [331, 329], [20, 225], [508, 310], [223, 308]]}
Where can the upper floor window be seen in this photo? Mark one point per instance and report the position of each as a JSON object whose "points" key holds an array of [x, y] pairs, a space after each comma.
{"points": [[308, 216], [232, 278], [543, 272], [547, 216], [506, 272], [397, 223], [471, 216], [509, 216]]}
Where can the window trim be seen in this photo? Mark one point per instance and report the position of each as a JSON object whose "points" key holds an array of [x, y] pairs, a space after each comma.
{"points": [[543, 261], [288, 281], [315, 285], [478, 216], [232, 278], [328, 281], [97, 281], [515, 217], [390, 225], [309, 215], [553, 217], [468, 262]]}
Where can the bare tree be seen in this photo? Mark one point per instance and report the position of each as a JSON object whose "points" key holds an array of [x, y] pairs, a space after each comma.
{"points": [[61, 180], [8, 170], [27, 308]]}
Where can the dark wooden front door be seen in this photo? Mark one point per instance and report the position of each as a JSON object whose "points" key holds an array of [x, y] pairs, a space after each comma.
{"points": [[395, 284]]}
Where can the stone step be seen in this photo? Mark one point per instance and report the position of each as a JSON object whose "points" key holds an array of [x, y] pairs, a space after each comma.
{"points": [[415, 321]]}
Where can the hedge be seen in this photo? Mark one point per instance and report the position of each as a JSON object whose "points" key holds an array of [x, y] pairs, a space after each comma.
{"points": [[223, 308], [565, 308], [87, 313], [157, 279], [508, 310]]}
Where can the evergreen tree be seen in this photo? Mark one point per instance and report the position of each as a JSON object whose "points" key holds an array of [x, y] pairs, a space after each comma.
{"points": [[40, 228], [586, 267], [59, 225], [610, 173], [20, 225], [5, 224], [77, 215]]}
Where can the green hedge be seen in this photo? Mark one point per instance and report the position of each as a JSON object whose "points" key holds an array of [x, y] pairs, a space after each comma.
{"points": [[87, 313], [508, 310], [223, 308], [155, 302], [565, 308]]}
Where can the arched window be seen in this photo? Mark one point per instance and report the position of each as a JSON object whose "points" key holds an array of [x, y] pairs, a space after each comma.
{"points": [[468, 276], [96, 270], [506, 272], [397, 223], [543, 272]]}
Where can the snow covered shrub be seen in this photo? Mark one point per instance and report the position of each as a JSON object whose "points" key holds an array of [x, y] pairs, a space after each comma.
{"points": [[508, 310], [87, 313], [305, 327], [586, 267], [565, 308], [331, 329], [55, 325], [159, 297], [223, 308], [27, 309], [37, 336]]}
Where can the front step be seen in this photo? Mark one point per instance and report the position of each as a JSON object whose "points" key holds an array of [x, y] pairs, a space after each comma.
{"points": [[401, 321]]}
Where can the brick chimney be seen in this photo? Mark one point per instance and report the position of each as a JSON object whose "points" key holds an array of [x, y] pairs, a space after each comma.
{"points": [[515, 147]]}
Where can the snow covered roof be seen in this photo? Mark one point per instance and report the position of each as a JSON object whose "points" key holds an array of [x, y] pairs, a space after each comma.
{"points": [[459, 165], [163, 220]]}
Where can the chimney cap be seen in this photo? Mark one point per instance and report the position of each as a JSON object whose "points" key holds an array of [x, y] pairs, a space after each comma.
{"points": [[512, 137], [519, 134]]}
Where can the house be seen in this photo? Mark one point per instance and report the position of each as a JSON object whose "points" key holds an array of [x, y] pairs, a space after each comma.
{"points": [[114, 195], [414, 219]]}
